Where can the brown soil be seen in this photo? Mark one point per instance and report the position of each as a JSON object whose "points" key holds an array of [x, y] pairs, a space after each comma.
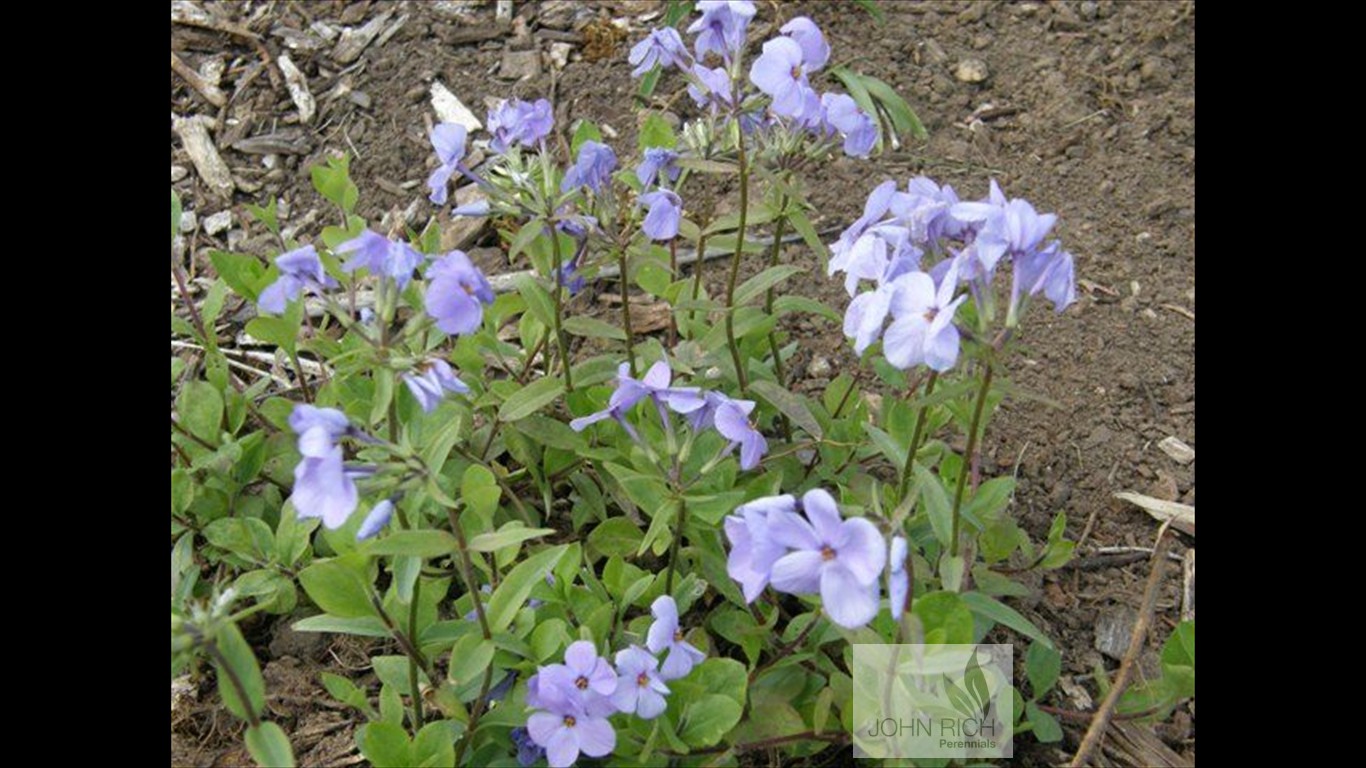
{"points": [[1088, 111]]}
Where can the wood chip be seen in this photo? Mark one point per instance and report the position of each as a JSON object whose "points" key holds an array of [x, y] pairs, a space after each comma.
{"points": [[1182, 311], [286, 142], [298, 88], [210, 91], [449, 108], [354, 40], [1177, 450], [194, 133], [1181, 515], [463, 230], [1188, 586]]}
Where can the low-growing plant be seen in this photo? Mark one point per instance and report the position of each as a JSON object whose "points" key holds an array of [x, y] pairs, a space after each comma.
{"points": [[622, 553]]}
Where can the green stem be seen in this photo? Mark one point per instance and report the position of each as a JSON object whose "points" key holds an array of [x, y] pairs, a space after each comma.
{"points": [[783, 423], [626, 311], [743, 163], [677, 542], [558, 329], [467, 572], [697, 269], [914, 445], [413, 683], [673, 272], [303, 380], [967, 458]]}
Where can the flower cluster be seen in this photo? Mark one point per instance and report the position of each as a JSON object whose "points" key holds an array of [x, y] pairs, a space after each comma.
{"points": [[323, 487], [703, 410], [574, 699], [299, 269], [971, 240], [819, 553]]}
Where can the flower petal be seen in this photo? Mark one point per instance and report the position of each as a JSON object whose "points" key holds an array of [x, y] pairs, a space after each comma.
{"points": [[798, 573], [849, 603]]}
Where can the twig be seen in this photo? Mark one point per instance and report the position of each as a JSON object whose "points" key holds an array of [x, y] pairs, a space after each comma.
{"points": [[209, 91], [1136, 642]]}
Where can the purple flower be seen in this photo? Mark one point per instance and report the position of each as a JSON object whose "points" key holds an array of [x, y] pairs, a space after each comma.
{"points": [[655, 385], [710, 87], [731, 418], [570, 728], [382, 256], [1049, 271], [376, 520], [722, 26], [640, 690], [752, 551], [665, 634], [657, 160], [457, 293], [300, 268], [898, 579], [448, 139], [475, 209], [322, 488], [840, 559], [926, 209], [842, 113], [815, 51], [430, 386], [923, 331], [519, 122], [664, 47], [666, 209], [781, 73], [594, 166], [866, 315], [570, 277], [842, 251], [528, 751], [1007, 228]]}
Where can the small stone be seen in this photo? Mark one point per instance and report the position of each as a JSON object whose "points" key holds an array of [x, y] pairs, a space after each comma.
{"points": [[217, 223], [450, 109], [819, 367], [188, 221], [1177, 450], [1114, 626], [971, 71], [360, 99], [297, 85], [1089, 9], [556, 14], [178, 172], [559, 54], [183, 691], [520, 65]]}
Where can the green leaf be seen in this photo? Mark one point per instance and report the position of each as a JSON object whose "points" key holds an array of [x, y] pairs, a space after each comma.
{"points": [[1178, 659], [241, 272], [182, 491], [538, 300], [708, 719], [385, 745], [333, 182], [593, 328], [524, 238], [656, 132], [337, 586], [175, 215], [937, 506], [511, 534], [200, 406], [754, 287], [873, 10], [480, 491], [1058, 551], [517, 585], [584, 130], [1042, 664], [859, 92], [616, 536], [802, 224], [792, 406], [1046, 727], [361, 626], [645, 491], [346, 692], [425, 544], [707, 166], [904, 119], [268, 214], [531, 398], [989, 608], [785, 304], [269, 746], [282, 331], [945, 616], [434, 745], [551, 433], [234, 654]]}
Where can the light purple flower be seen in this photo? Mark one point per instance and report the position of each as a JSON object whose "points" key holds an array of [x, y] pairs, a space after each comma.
{"points": [[657, 161], [1006, 228], [731, 418], [640, 690], [520, 122], [300, 268], [528, 751], [780, 72], [923, 331], [815, 51], [752, 551], [594, 167], [926, 209], [898, 579], [722, 26], [841, 113], [664, 47], [456, 294], [430, 386], [710, 87], [841, 251], [381, 256], [655, 385], [840, 559], [476, 209], [570, 277], [1050, 271], [375, 521], [666, 210], [571, 728], [448, 139], [331, 421], [665, 634], [322, 487], [584, 677]]}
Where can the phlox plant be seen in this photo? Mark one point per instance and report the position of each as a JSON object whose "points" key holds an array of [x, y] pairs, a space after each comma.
{"points": [[567, 539]]}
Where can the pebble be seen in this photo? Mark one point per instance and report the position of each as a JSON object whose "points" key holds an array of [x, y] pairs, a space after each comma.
{"points": [[971, 71], [520, 65], [819, 367], [1089, 10], [559, 54], [1177, 450], [218, 222], [360, 99], [1114, 626], [178, 172], [188, 221]]}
